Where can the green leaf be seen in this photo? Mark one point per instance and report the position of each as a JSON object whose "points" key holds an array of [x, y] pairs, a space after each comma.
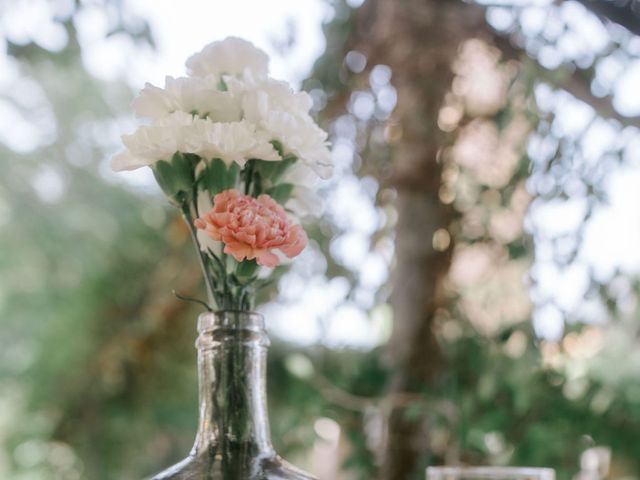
{"points": [[271, 171], [162, 172], [214, 176], [217, 177], [277, 145], [283, 165], [193, 158], [281, 193], [175, 177], [246, 269]]}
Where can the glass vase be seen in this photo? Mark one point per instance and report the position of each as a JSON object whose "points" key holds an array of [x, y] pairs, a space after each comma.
{"points": [[233, 440]]}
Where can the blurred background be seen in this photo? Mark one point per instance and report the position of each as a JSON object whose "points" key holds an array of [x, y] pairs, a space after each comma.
{"points": [[471, 291]]}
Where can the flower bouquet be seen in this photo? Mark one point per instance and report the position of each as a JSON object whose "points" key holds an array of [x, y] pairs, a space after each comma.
{"points": [[238, 153]]}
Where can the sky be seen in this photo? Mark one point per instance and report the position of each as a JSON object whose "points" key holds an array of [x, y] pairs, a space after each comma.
{"points": [[185, 27]]}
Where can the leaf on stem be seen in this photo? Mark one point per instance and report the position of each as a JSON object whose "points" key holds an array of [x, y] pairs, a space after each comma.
{"points": [[213, 177], [175, 177], [281, 193], [246, 269]]}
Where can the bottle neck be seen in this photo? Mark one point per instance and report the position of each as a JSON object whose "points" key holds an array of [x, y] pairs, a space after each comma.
{"points": [[232, 356]]}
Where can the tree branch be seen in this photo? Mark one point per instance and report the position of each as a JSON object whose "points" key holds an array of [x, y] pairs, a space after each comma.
{"points": [[571, 80]]}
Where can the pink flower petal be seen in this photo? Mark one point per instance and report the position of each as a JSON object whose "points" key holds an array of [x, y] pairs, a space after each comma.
{"points": [[267, 259], [252, 227]]}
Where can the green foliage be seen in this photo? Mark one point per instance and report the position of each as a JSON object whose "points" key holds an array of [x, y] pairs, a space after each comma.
{"points": [[217, 176], [281, 192], [176, 176], [246, 270]]}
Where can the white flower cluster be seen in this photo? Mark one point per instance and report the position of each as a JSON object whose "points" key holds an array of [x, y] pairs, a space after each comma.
{"points": [[226, 108]]}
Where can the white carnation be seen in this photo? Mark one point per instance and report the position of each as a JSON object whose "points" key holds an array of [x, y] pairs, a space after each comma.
{"points": [[190, 95], [258, 99], [233, 142], [227, 109], [301, 137], [150, 143], [182, 132], [231, 56], [284, 115]]}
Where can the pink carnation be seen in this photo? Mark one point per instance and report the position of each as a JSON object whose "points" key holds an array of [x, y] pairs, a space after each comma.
{"points": [[252, 228]]}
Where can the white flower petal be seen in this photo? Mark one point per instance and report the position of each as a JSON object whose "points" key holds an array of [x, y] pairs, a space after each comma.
{"points": [[152, 102], [319, 159], [158, 141], [126, 161], [234, 142], [273, 95], [303, 138], [300, 174], [189, 95], [205, 202], [204, 240], [231, 56], [284, 116], [181, 132], [207, 243]]}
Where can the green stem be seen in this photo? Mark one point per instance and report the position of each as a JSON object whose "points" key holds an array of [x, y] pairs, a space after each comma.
{"points": [[248, 176], [221, 264], [184, 298], [229, 291], [186, 214]]}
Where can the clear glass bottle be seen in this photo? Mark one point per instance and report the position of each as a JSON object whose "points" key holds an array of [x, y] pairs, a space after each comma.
{"points": [[233, 440]]}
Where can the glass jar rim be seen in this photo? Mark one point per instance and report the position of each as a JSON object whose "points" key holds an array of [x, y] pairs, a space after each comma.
{"points": [[231, 320], [493, 472]]}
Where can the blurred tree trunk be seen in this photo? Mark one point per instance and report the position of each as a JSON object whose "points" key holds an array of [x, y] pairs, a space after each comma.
{"points": [[419, 40]]}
